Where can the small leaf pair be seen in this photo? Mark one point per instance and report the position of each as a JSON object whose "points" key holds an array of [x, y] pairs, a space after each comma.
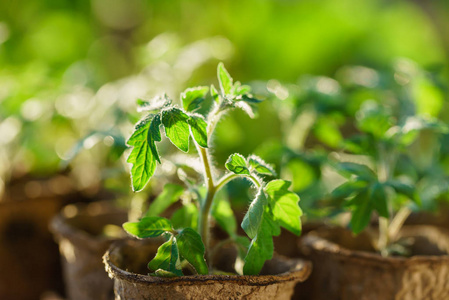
{"points": [[185, 244], [233, 94], [237, 164]]}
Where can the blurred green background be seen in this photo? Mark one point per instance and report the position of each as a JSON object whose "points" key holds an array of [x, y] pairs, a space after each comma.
{"points": [[73, 69]]}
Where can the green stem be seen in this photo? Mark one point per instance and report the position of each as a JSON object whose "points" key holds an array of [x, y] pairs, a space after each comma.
{"points": [[207, 203], [383, 171], [203, 222], [225, 179], [212, 188], [398, 221], [254, 180]]}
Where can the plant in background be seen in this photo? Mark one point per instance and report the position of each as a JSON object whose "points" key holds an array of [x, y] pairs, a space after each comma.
{"points": [[273, 205], [312, 114], [376, 185]]}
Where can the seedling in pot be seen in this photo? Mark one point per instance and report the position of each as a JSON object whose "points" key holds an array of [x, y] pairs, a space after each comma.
{"points": [[379, 188], [273, 206]]}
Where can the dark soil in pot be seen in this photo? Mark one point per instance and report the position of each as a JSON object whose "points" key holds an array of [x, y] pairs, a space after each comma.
{"points": [[126, 262], [79, 232], [346, 267]]}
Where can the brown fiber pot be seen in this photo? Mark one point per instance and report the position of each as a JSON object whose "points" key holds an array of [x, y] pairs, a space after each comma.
{"points": [[29, 262], [77, 230], [126, 262], [343, 271]]}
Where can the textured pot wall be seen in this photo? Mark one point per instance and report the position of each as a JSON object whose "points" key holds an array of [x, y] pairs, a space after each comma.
{"points": [[279, 279], [340, 273], [29, 261], [82, 248]]}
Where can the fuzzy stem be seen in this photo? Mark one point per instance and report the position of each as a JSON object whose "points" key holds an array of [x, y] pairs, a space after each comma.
{"points": [[225, 179], [203, 222], [207, 203]]}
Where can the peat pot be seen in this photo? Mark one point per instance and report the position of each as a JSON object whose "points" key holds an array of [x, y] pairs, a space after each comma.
{"points": [[346, 266], [29, 262], [78, 231], [126, 263]]}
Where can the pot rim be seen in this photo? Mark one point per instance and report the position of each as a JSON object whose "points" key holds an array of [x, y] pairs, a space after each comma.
{"points": [[300, 271], [320, 244]]}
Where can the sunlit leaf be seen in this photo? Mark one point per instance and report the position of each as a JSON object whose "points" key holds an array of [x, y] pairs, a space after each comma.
{"points": [[198, 126], [261, 248], [237, 164], [193, 97], [177, 128], [260, 166], [144, 153], [224, 79], [191, 247], [284, 205], [167, 258], [148, 227], [253, 217]]}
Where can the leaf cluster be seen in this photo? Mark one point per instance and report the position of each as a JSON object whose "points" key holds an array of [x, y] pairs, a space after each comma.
{"points": [[273, 207], [365, 193]]}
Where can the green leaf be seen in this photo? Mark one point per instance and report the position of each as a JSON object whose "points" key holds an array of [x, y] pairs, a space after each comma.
{"points": [[277, 188], [236, 163], [374, 119], [361, 212], [326, 130], [249, 99], [348, 188], [378, 197], [191, 247], [177, 128], [186, 216], [260, 166], [405, 189], [144, 153], [148, 227], [192, 97], [167, 258], [157, 103], [241, 90], [198, 126], [169, 195], [224, 79], [359, 170], [284, 205], [223, 214], [214, 93], [253, 217], [154, 128], [261, 248]]}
